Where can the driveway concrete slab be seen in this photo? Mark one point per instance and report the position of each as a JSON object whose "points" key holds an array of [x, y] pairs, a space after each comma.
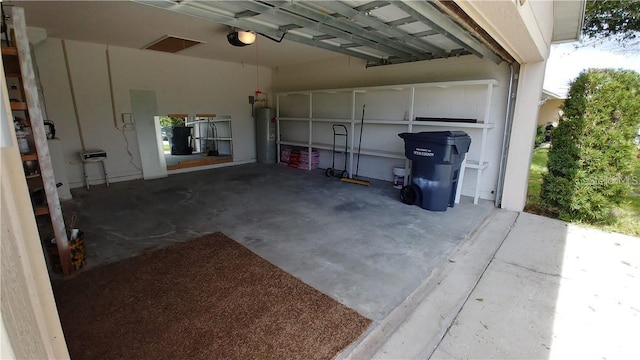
{"points": [[553, 290], [505, 317], [535, 243]]}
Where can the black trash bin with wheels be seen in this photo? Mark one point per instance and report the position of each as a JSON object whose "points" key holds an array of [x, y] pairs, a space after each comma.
{"points": [[436, 159], [181, 140]]}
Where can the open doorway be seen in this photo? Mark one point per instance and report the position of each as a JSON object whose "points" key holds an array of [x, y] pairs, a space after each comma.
{"points": [[191, 141]]}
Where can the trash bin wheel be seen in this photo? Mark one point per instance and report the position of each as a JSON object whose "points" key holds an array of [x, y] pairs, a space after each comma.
{"points": [[329, 172], [345, 174], [408, 195]]}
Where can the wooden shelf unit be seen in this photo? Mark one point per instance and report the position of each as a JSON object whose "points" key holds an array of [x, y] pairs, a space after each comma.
{"points": [[20, 111], [25, 105]]}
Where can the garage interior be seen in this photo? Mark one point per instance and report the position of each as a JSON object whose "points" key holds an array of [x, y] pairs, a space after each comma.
{"points": [[360, 245]]}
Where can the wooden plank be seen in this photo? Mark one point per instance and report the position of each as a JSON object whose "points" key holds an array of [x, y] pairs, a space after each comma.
{"points": [[34, 182], [40, 138], [200, 162], [9, 51], [18, 106], [41, 210], [26, 157], [10, 61]]}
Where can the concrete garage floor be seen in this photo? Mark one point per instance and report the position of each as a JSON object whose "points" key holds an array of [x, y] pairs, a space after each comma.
{"points": [[360, 245]]}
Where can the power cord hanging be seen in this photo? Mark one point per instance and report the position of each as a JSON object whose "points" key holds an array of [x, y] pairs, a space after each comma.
{"points": [[257, 71], [126, 140]]}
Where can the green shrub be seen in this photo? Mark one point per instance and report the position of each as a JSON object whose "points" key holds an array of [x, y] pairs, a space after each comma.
{"points": [[593, 156], [171, 121], [540, 136]]}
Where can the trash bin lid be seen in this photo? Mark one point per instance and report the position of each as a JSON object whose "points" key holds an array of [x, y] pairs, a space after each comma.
{"points": [[441, 137]]}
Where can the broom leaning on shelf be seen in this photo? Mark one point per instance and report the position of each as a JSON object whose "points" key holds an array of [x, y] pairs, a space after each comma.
{"points": [[355, 177]]}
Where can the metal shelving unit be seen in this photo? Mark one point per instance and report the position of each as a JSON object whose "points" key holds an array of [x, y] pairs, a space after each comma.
{"points": [[208, 130]]}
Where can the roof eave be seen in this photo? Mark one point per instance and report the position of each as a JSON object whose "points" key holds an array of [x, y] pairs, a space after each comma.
{"points": [[572, 11]]}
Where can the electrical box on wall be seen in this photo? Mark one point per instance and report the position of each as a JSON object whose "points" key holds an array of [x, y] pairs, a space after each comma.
{"points": [[261, 98], [127, 122], [258, 101]]}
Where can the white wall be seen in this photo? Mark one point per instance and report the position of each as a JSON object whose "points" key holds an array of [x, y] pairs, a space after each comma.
{"points": [[182, 85], [350, 72], [343, 72], [549, 111]]}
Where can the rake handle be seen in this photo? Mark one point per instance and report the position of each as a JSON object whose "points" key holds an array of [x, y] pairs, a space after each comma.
{"points": [[360, 140]]}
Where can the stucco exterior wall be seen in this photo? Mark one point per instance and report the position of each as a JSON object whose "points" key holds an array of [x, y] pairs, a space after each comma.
{"points": [[549, 111], [522, 139], [524, 29]]}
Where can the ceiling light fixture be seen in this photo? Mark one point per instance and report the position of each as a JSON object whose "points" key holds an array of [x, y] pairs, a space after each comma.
{"points": [[241, 38]]}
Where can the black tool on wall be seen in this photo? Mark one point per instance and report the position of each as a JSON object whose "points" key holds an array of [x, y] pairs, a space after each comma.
{"points": [[50, 129]]}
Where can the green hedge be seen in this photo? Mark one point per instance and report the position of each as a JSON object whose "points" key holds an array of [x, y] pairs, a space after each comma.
{"points": [[540, 135], [593, 155]]}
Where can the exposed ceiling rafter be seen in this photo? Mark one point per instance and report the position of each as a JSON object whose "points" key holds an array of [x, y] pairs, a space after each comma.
{"points": [[315, 20], [429, 14], [380, 32], [245, 24], [383, 28]]}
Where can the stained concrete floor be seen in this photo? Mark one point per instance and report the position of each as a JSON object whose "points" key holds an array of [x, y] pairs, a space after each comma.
{"points": [[360, 245]]}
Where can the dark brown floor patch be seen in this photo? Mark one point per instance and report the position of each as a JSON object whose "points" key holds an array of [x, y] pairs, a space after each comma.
{"points": [[203, 299]]}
